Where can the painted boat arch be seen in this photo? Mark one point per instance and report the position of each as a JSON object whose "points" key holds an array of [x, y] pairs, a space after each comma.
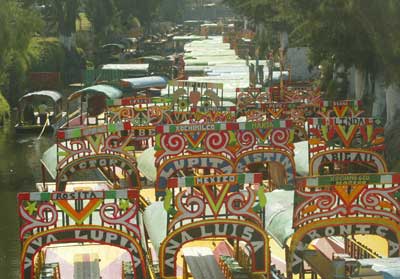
{"points": [[105, 217], [95, 161], [201, 161], [385, 228], [248, 232], [80, 234], [349, 155], [274, 156], [343, 205]]}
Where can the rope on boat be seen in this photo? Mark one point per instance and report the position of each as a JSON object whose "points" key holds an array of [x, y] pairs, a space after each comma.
{"points": [[44, 126]]}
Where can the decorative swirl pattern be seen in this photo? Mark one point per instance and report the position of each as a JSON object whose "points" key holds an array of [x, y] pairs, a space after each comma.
{"points": [[325, 201], [281, 138], [374, 197], [325, 207], [72, 148], [116, 144], [126, 113], [245, 204], [246, 140], [173, 144], [156, 115], [121, 219], [183, 207], [46, 217], [217, 142]]}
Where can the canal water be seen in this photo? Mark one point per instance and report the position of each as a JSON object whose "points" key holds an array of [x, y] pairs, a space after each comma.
{"points": [[19, 170]]}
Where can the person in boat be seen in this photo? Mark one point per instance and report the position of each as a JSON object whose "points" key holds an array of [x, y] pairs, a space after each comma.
{"points": [[29, 114], [43, 112]]}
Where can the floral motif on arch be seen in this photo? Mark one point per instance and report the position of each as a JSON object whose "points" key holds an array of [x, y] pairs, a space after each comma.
{"points": [[346, 132], [365, 195], [45, 211]]}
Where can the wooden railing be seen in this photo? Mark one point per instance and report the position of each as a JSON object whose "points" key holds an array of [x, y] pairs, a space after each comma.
{"points": [[358, 250]]}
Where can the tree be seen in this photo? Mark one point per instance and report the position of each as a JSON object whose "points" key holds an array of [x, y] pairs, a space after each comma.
{"points": [[101, 15], [145, 11], [61, 14], [172, 10], [17, 26]]}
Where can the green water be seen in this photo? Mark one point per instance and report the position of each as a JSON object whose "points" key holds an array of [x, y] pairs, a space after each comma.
{"points": [[19, 170]]}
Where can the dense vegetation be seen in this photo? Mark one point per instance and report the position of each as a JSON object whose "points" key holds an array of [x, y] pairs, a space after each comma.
{"points": [[360, 33], [62, 35], [341, 34]]}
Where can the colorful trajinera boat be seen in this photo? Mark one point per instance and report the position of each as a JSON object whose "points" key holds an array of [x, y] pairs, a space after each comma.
{"points": [[187, 187], [40, 110]]}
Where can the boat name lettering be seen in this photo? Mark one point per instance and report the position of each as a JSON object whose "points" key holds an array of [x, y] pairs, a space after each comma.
{"points": [[216, 179], [238, 231], [189, 128], [350, 179], [354, 121], [76, 195], [138, 132], [348, 157], [261, 125], [95, 163]]}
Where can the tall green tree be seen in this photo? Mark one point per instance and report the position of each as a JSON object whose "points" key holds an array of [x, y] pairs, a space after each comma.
{"points": [[172, 10], [146, 11], [62, 15], [17, 26], [102, 16]]}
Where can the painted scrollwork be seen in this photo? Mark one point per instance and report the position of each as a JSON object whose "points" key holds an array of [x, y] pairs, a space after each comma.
{"points": [[325, 204], [46, 216], [241, 203], [247, 140], [189, 207], [218, 143], [281, 138], [117, 218]]}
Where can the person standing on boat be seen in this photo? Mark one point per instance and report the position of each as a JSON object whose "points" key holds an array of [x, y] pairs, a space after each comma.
{"points": [[43, 113], [29, 115]]}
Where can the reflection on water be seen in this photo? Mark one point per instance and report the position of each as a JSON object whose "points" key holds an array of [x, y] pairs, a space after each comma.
{"points": [[19, 170]]}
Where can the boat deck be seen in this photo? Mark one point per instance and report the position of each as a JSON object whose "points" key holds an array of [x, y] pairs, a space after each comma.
{"points": [[87, 261]]}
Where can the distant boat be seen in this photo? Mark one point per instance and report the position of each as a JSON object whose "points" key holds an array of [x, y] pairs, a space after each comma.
{"points": [[40, 110]]}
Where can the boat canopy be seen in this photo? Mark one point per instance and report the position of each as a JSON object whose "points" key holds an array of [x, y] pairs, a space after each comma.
{"points": [[145, 82], [155, 220], [146, 164], [152, 58], [120, 46], [55, 96], [110, 91], [49, 160], [278, 218], [279, 215], [189, 38], [126, 67]]}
